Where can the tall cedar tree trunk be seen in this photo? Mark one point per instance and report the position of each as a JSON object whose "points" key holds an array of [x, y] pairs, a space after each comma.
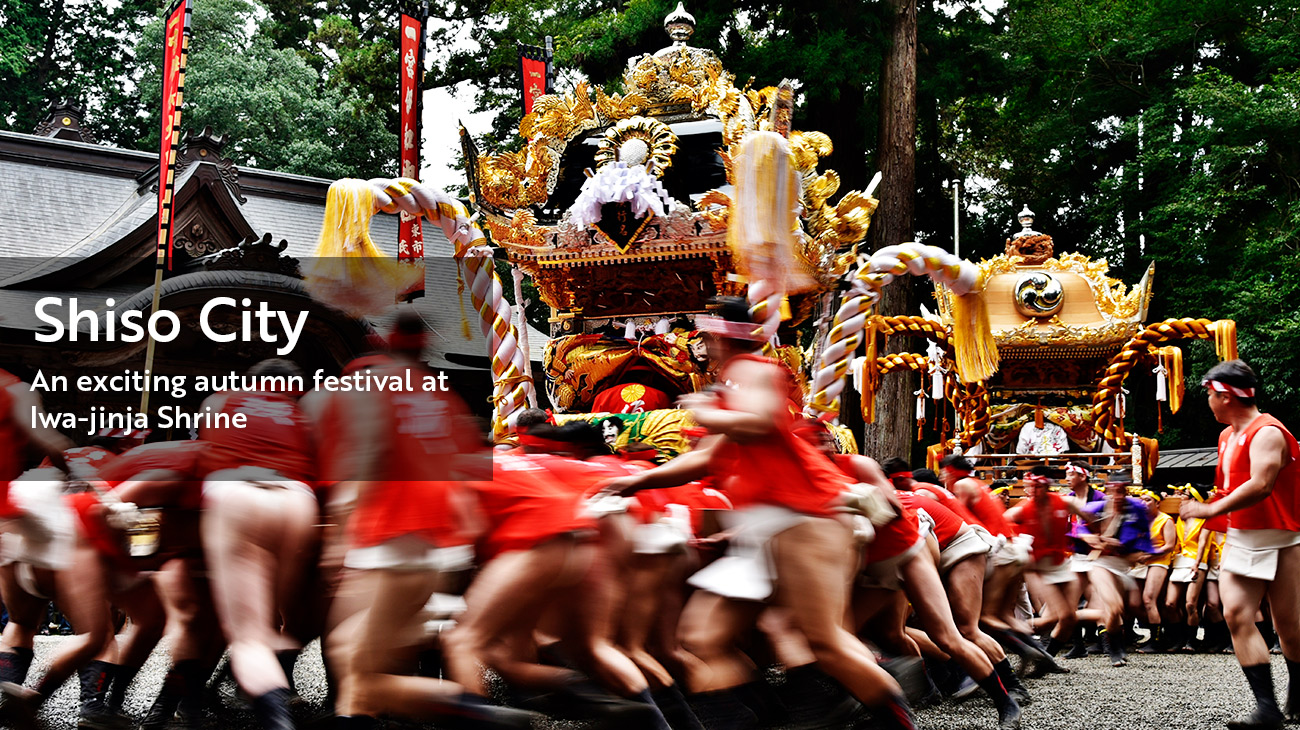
{"points": [[892, 432]]}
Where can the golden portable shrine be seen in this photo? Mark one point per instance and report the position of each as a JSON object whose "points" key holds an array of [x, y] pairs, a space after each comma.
{"points": [[631, 212]]}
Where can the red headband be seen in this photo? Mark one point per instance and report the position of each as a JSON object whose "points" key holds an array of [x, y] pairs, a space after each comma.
{"points": [[406, 340], [728, 329], [1222, 387], [542, 444], [1076, 469], [901, 475], [1038, 479]]}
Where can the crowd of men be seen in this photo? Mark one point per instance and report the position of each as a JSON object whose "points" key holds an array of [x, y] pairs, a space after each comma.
{"points": [[617, 588]]}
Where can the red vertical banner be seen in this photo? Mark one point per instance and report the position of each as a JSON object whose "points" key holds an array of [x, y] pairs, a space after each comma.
{"points": [[176, 41], [410, 238], [533, 74]]}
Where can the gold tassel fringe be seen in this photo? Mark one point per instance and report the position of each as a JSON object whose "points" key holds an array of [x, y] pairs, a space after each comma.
{"points": [[349, 271], [870, 373], [1173, 356], [972, 337], [1225, 339]]}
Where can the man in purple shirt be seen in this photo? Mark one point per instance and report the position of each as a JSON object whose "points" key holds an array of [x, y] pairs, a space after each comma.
{"points": [[1118, 533]]}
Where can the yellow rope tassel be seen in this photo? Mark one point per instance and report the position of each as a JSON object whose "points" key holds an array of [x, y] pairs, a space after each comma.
{"points": [[1225, 339], [1177, 386], [976, 351], [870, 373]]}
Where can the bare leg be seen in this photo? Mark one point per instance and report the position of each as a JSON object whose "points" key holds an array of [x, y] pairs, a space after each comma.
{"points": [[593, 604], [25, 613], [925, 591], [83, 598], [811, 560], [508, 595], [647, 582], [1151, 592], [709, 630], [387, 643], [254, 538], [965, 583]]}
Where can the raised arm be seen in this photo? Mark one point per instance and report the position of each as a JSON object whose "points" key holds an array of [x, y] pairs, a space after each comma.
{"points": [[688, 467]]}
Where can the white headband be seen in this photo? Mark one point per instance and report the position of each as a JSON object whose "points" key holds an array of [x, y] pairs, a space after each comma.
{"points": [[728, 329], [1076, 469]]}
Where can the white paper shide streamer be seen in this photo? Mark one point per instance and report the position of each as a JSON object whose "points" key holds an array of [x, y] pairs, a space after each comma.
{"points": [[616, 182]]}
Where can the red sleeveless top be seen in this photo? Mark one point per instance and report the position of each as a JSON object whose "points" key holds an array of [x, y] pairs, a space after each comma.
{"points": [[425, 433], [947, 499], [276, 436], [990, 513], [183, 457], [1051, 532], [779, 468], [947, 524], [892, 538], [526, 505], [1281, 510]]}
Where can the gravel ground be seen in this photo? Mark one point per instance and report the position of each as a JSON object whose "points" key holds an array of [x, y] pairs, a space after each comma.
{"points": [[1181, 692]]}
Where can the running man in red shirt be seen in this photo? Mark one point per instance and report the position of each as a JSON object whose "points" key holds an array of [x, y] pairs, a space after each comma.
{"points": [[1260, 476], [407, 455], [258, 530], [1045, 516]]}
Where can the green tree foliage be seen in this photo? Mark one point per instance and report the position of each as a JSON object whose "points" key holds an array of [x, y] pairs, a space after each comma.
{"points": [[278, 111], [79, 49], [310, 103]]}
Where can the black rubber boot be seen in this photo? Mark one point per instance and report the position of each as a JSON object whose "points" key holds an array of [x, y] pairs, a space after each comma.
{"points": [[673, 705], [472, 712], [1054, 646], [1080, 648], [118, 684], [1014, 686], [94, 713], [657, 721], [1266, 715], [1114, 646], [1152, 645], [583, 700], [764, 703], [1291, 710], [184, 683], [287, 659], [14, 665], [815, 701], [723, 710], [894, 715], [1008, 708], [272, 710]]}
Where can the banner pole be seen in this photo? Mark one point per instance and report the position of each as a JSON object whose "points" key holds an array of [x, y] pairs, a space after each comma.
{"points": [[170, 139]]}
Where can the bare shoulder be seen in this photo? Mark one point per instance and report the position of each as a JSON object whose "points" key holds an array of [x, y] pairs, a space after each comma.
{"points": [[752, 372], [1268, 441]]}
